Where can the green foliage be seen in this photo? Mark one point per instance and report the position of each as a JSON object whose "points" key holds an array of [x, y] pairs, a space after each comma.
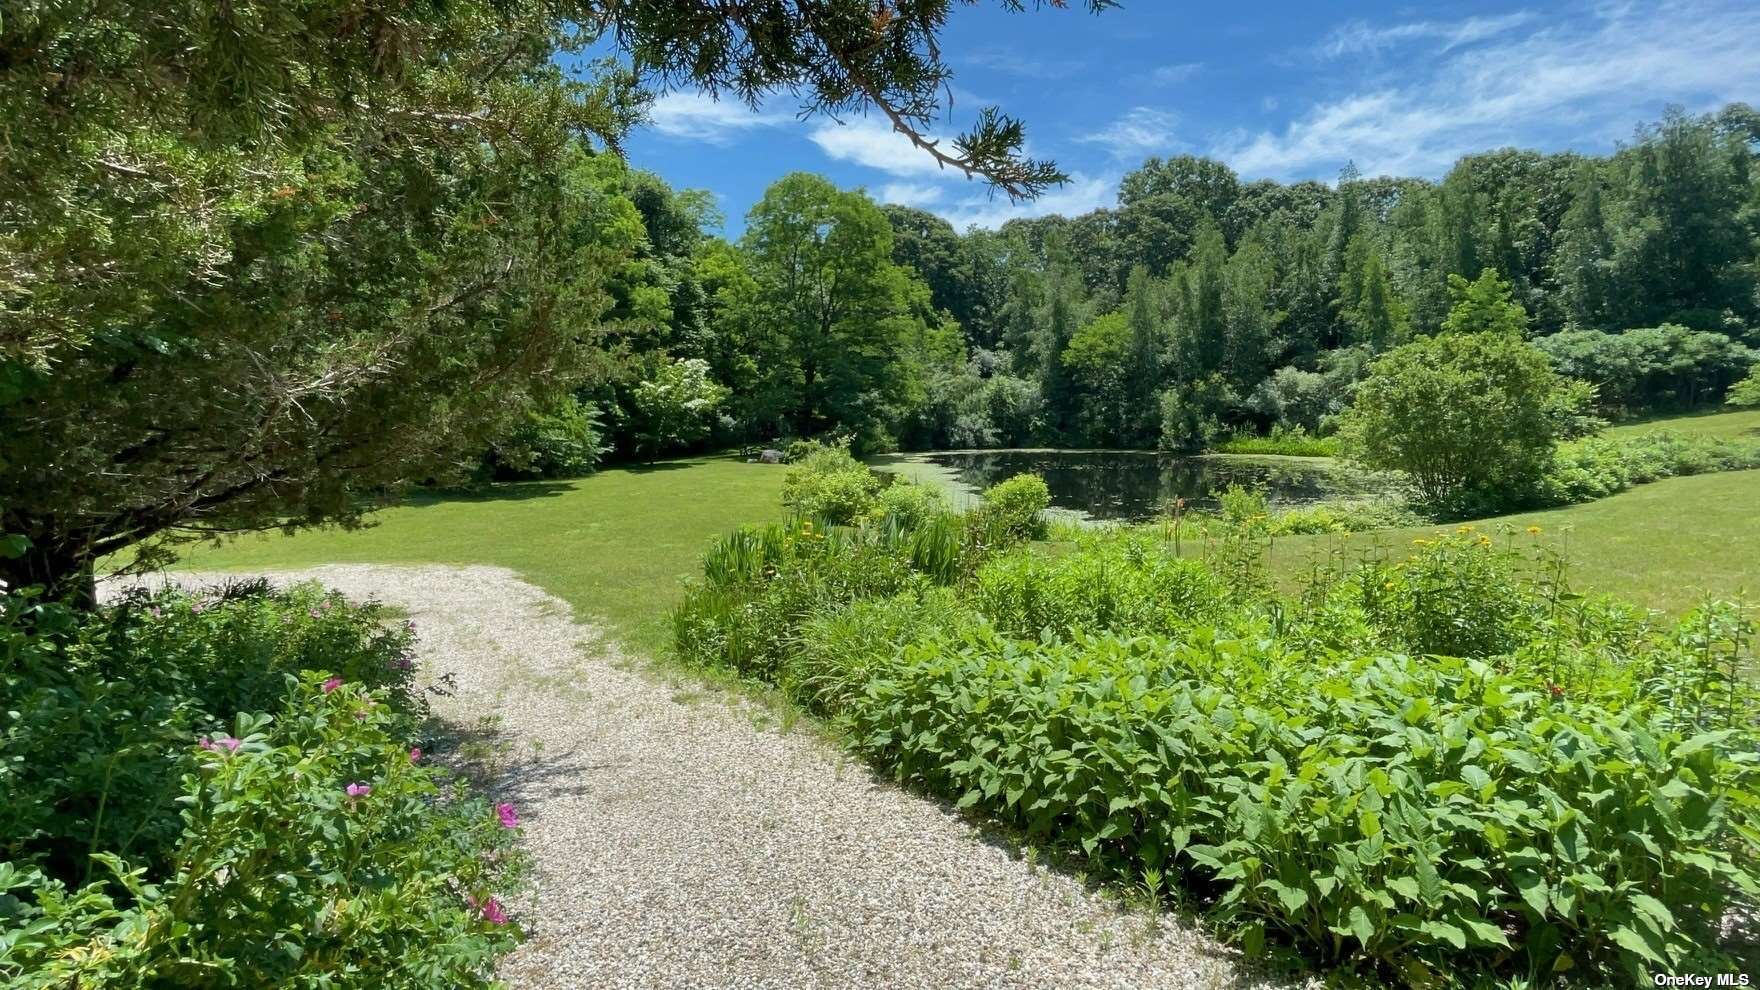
{"points": [[1013, 509], [565, 442], [1745, 394], [1432, 765], [1125, 585], [1284, 441], [826, 484], [1193, 417], [1596, 467], [182, 767], [1461, 414], [909, 504], [1651, 369], [1484, 306], [1433, 816]]}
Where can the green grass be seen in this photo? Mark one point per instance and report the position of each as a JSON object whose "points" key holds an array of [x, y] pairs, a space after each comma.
{"points": [[614, 545], [1712, 424], [1664, 545]]}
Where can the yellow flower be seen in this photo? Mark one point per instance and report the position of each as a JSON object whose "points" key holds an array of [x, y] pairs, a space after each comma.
{"points": [[1464, 530], [1484, 541], [1420, 542], [1533, 531], [1388, 586]]}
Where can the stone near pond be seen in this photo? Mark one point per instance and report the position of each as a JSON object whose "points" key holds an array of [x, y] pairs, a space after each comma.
{"points": [[770, 457]]}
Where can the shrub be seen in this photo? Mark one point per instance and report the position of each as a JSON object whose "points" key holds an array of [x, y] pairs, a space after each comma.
{"points": [[1433, 816], [1127, 584], [1745, 394], [181, 766], [1462, 414], [910, 504], [1596, 467], [563, 442], [1649, 369], [1013, 510], [1284, 441], [838, 650], [826, 484]]}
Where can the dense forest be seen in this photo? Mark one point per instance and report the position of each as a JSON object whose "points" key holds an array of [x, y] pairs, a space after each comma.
{"points": [[1199, 306]]}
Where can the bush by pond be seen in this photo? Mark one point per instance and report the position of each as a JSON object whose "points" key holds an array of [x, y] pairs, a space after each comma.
{"points": [[228, 790], [1423, 767]]}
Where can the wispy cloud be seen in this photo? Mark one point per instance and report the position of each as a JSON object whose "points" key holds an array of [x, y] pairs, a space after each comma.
{"points": [[871, 142], [1571, 84], [1016, 64], [695, 116], [1168, 75], [1360, 37], [1140, 131], [910, 193], [1081, 194]]}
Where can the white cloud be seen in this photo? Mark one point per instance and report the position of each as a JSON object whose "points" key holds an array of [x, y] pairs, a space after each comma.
{"points": [[910, 193], [1359, 37], [1586, 80], [1167, 75], [1015, 64], [871, 142], [1140, 131], [697, 116], [1081, 194]]}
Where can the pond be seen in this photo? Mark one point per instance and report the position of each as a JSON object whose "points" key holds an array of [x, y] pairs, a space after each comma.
{"points": [[1134, 484]]}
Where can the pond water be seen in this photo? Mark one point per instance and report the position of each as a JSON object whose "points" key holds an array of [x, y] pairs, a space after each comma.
{"points": [[1133, 485]]}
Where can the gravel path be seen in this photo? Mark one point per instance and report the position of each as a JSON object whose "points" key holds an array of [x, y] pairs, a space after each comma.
{"points": [[681, 840]]}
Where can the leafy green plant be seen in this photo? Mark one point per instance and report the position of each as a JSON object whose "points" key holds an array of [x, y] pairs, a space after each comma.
{"points": [[1013, 510], [829, 486], [225, 789]]}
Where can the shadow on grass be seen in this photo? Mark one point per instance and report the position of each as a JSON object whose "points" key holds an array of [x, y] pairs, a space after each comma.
{"points": [[501, 491]]}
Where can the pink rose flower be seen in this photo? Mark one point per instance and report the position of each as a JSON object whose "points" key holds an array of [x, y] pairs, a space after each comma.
{"points": [[415, 754], [509, 817], [332, 684], [358, 790]]}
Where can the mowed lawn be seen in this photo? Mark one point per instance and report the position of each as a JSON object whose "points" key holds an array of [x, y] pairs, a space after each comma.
{"points": [[616, 545], [1665, 545]]}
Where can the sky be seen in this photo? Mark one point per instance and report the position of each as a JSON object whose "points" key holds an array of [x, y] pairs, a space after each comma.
{"points": [[1285, 91]]}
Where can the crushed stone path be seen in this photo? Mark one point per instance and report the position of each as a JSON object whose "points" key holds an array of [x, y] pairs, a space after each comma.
{"points": [[681, 838]]}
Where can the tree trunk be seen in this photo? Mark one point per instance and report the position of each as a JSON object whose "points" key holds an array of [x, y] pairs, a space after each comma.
{"points": [[64, 575]]}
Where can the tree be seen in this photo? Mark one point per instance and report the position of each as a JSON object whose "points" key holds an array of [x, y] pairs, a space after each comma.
{"points": [[1584, 260], [1098, 357], [1745, 394], [1142, 359], [1484, 306], [264, 262], [675, 406], [837, 312], [1462, 414]]}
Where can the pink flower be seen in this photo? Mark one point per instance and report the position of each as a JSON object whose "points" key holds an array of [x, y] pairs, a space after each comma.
{"points": [[332, 684], [490, 908], [415, 754], [358, 790], [226, 743], [509, 817]]}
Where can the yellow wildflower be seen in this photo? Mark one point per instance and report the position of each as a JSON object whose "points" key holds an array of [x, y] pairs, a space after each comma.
{"points": [[1533, 531]]}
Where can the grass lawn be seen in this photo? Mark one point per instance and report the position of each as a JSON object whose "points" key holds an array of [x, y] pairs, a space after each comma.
{"points": [[614, 545], [1664, 544], [1715, 424]]}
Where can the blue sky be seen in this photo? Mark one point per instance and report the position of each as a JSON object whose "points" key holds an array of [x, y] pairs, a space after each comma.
{"points": [[1279, 90]]}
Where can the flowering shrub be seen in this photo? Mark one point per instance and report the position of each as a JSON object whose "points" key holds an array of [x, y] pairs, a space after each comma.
{"points": [[299, 842]]}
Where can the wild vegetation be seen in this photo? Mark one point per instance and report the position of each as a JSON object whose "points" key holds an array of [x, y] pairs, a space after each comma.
{"points": [[269, 267], [1421, 765]]}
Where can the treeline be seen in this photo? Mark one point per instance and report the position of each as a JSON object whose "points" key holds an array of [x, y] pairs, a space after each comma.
{"points": [[1200, 305]]}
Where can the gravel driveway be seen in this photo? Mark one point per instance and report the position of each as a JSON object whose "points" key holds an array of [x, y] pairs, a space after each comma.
{"points": [[681, 839]]}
